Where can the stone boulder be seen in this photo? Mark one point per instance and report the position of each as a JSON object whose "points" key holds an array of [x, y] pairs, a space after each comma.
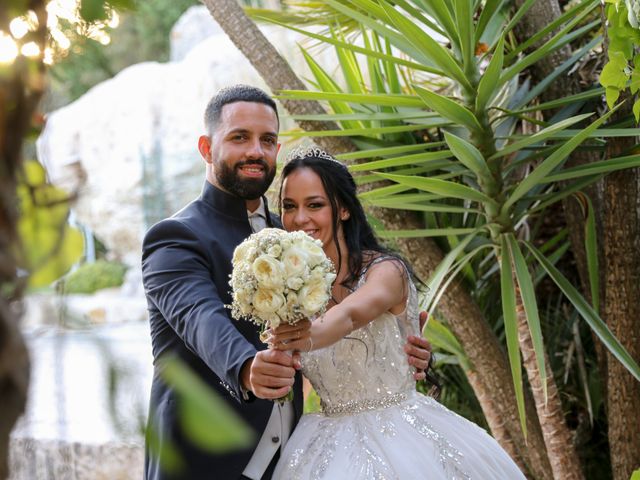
{"points": [[129, 145]]}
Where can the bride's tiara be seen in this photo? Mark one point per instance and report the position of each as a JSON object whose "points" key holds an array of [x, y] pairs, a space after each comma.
{"points": [[310, 152]]}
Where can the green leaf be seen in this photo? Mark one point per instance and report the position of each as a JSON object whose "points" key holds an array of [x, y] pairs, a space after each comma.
{"points": [[382, 192], [93, 10], [327, 84], [363, 99], [489, 10], [540, 136], [600, 133], [577, 56], [354, 48], [351, 132], [552, 27], [613, 75], [524, 8], [554, 43], [449, 109], [440, 187], [49, 246], [550, 199], [509, 314], [415, 171], [206, 420], [595, 168], [528, 295], [400, 41], [382, 152], [369, 116], [490, 82], [635, 475], [421, 207], [440, 273], [415, 13], [591, 249], [612, 94], [407, 197], [415, 159], [552, 161], [423, 233], [441, 337], [568, 100], [429, 47], [464, 27], [439, 10], [350, 70], [453, 273], [589, 314], [469, 156], [636, 110]]}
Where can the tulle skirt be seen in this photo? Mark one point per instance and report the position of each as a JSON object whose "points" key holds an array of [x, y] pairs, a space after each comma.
{"points": [[416, 438]]}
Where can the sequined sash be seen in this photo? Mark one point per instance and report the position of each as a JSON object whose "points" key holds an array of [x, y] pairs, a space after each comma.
{"points": [[364, 405]]}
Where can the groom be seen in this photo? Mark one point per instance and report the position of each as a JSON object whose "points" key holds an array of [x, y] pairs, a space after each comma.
{"points": [[186, 262]]}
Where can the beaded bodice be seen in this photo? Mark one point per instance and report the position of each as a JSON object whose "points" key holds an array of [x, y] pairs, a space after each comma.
{"points": [[368, 369]]}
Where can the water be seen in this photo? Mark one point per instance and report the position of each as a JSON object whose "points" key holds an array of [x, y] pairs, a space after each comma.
{"points": [[87, 403]]}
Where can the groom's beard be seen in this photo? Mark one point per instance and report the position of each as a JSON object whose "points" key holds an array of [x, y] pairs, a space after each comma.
{"points": [[245, 188]]}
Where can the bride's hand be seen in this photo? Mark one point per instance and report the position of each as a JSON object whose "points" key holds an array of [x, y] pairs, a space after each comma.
{"points": [[291, 337]]}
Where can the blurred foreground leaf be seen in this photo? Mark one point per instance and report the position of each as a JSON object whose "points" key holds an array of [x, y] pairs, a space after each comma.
{"points": [[205, 418], [49, 245]]}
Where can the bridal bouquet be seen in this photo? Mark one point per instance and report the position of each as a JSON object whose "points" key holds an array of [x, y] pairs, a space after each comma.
{"points": [[280, 276]]}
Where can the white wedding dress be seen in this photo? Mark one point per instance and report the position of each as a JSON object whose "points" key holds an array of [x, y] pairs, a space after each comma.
{"points": [[374, 424]]}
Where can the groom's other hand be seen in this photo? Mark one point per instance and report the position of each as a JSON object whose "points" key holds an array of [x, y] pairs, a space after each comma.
{"points": [[271, 374], [418, 350]]}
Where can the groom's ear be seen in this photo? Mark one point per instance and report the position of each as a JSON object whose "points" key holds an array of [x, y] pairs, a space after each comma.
{"points": [[278, 150], [204, 146]]}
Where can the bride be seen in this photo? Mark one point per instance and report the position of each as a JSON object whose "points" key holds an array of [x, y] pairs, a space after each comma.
{"points": [[373, 425]]}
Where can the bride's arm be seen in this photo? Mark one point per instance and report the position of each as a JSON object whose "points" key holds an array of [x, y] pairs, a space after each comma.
{"points": [[385, 287]]}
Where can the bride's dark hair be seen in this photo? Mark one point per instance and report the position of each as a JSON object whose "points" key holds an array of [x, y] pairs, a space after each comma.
{"points": [[362, 243]]}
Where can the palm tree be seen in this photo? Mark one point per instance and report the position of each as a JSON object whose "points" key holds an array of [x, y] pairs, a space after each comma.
{"points": [[487, 171], [487, 367]]}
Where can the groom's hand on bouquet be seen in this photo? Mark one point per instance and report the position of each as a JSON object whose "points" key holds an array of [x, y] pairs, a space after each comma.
{"points": [[270, 375], [418, 351]]}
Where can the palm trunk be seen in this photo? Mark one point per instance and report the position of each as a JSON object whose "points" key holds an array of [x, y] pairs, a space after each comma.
{"points": [[617, 209], [490, 377], [622, 309], [557, 436]]}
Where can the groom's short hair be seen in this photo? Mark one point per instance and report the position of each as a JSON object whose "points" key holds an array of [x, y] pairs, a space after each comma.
{"points": [[232, 94]]}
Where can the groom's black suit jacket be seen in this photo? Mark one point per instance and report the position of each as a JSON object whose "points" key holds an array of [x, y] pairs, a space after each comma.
{"points": [[186, 262]]}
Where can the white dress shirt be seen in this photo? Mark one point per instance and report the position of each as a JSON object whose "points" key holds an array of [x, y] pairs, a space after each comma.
{"points": [[280, 423]]}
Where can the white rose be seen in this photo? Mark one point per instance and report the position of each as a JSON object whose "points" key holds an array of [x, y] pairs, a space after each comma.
{"points": [[271, 319], [294, 283], [313, 297], [267, 300], [314, 252], [244, 252], [294, 261], [243, 297], [292, 300], [275, 250], [268, 271], [318, 272]]}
